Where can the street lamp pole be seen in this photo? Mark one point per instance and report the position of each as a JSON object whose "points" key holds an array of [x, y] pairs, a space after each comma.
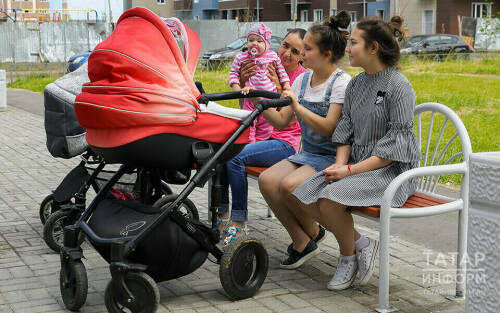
{"points": [[258, 11], [364, 8]]}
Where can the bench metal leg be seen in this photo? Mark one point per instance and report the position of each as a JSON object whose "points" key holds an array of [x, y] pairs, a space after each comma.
{"points": [[383, 284], [461, 257]]}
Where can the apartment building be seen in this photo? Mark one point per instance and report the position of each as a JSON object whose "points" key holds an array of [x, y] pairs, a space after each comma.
{"points": [[197, 9], [163, 8], [25, 10]]}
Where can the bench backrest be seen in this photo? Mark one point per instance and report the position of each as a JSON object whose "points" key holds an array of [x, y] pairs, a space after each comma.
{"points": [[440, 148]]}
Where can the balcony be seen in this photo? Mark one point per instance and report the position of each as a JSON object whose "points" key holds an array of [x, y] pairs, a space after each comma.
{"points": [[183, 5]]}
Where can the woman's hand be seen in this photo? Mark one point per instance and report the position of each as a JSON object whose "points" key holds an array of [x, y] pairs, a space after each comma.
{"points": [[247, 70], [335, 172], [273, 76], [289, 93]]}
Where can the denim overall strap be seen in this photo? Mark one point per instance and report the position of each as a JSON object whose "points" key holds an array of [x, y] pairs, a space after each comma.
{"points": [[303, 85], [330, 87]]}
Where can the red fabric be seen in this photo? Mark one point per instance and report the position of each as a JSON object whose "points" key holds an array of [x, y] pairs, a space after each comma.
{"points": [[208, 127], [141, 85]]}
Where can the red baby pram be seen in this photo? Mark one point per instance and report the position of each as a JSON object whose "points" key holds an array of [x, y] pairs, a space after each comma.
{"points": [[142, 109]]}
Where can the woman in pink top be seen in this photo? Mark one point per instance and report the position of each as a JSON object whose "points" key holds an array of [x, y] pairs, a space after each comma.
{"points": [[281, 144]]}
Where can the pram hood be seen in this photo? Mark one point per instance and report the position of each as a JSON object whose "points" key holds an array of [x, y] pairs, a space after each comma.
{"points": [[141, 84]]}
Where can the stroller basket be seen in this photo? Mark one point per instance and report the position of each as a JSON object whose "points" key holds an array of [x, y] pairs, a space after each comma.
{"points": [[127, 182]]}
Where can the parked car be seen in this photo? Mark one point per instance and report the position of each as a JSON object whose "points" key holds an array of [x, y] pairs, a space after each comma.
{"points": [[436, 46], [235, 47], [77, 60]]}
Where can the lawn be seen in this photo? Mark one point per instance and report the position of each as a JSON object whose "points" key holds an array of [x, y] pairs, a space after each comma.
{"points": [[472, 95]]}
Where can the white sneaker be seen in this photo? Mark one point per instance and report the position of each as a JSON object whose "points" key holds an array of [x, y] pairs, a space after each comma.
{"points": [[345, 274], [366, 261]]}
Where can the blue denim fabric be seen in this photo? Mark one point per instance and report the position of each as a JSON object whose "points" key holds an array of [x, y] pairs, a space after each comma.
{"points": [[318, 151], [261, 153]]}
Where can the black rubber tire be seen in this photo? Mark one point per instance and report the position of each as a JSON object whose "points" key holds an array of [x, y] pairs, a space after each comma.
{"points": [[243, 267], [142, 286], [53, 230], [187, 208], [74, 294], [47, 208]]}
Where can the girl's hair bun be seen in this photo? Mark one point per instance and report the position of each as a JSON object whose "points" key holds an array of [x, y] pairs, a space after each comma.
{"points": [[341, 20], [396, 24]]}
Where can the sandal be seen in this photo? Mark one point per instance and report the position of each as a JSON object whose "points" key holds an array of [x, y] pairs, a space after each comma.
{"points": [[231, 234], [224, 223]]}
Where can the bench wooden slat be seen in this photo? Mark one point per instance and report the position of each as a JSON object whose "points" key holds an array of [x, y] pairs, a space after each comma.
{"points": [[418, 200], [255, 170]]}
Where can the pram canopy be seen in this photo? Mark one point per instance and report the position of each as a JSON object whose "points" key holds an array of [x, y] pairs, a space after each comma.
{"points": [[141, 84]]}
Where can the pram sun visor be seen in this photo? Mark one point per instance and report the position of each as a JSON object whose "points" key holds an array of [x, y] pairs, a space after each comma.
{"points": [[154, 71], [139, 78]]}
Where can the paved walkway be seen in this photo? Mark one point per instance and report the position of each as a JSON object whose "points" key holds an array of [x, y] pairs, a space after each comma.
{"points": [[29, 271]]}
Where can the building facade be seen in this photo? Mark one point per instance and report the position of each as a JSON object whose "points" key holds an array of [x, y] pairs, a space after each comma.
{"points": [[273, 10], [163, 8], [27, 10]]}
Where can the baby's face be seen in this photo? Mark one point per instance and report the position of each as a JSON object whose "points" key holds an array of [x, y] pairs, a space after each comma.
{"points": [[256, 42]]}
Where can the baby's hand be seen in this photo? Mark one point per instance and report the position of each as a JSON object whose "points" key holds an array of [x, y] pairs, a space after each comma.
{"points": [[246, 90]]}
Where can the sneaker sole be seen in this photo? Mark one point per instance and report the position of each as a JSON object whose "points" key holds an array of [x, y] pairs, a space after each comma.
{"points": [[297, 264], [342, 286], [368, 275]]}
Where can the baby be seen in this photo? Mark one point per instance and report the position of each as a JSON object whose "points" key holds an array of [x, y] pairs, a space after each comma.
{"points": [[258, 51]]}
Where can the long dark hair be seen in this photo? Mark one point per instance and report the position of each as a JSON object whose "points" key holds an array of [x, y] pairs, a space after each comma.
{"points": [[329, 37], [386, 34], [299, 31]]}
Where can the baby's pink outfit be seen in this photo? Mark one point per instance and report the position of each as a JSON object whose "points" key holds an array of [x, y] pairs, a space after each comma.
{"points": [[261, 130]]}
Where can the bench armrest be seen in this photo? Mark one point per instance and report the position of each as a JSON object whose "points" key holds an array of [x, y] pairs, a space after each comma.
{"points": [[386, 211]]}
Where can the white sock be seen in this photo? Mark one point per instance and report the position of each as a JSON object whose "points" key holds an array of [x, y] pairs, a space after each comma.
{"points": [[362, 243], [349, 258]]}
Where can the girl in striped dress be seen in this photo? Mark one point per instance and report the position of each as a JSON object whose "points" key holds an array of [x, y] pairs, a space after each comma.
{"points": [[375, 142], [258, 51]]}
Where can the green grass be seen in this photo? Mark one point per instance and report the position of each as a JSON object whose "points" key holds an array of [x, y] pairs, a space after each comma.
{"points": [[34, 83], [483, 66]]}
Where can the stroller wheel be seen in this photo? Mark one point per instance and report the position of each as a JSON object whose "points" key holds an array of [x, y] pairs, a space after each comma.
{"points": [[73, 284], [187, 208], [54, 228], [243, 267], [142, 287], [47, 207]]}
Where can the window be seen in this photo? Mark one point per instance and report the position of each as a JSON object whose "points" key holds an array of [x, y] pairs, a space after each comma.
{"points": [[380, 13], [304, 15], [160, 1], [428, 22], [318, 15], [481, 10], [354, 16], [333, 12]]}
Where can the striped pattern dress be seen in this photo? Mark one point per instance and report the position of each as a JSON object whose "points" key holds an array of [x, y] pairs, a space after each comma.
{"points": [[377, 120]]}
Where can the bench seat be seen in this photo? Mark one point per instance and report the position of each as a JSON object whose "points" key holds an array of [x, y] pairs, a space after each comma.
{"points": [[418, 200]]}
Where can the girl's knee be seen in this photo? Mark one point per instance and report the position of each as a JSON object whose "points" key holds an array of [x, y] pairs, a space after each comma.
{"points": [[287, 185], [267, 182]]}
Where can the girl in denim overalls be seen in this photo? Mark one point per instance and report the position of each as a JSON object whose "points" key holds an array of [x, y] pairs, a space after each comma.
{"points": [[318, 107]]}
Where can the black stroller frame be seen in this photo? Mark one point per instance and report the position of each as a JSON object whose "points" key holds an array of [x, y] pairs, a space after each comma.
{"points": [[69, 198], [121, 248]]}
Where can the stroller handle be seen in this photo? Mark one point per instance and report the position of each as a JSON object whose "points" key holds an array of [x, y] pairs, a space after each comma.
{"points": [[275, 103], [237, 95]]}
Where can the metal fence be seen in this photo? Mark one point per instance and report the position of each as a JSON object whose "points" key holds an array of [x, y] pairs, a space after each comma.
{"points": [[49, 42]]}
